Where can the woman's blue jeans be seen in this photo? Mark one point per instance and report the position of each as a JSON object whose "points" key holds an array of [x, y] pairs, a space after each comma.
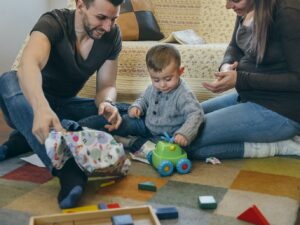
{"points": [[229, 123], [19, 115]]}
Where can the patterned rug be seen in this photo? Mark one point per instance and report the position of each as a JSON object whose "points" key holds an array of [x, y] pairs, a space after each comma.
{"points": [[272, 184]]}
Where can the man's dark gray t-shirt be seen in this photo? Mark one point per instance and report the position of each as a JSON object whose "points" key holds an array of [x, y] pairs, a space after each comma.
{"points": [[66, 71]]}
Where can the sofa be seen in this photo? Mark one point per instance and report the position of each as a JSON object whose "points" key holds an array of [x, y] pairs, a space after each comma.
{"points": [[208, 18]]}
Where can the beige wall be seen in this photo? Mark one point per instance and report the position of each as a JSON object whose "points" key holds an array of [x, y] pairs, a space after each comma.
{"points": [[17, 19]]}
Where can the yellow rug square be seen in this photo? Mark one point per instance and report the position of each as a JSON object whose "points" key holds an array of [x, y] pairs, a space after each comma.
{"points": [[268, 183], [274, 165]]}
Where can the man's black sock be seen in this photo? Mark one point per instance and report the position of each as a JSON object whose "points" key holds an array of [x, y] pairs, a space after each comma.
{"points": [[72, 182], [15, 145]]}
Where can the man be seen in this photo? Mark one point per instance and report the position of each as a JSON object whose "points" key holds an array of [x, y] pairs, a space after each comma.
{"points": [[65, 48]]}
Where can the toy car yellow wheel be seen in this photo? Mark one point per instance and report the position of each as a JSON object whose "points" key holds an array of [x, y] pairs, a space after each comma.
{"points": [[165, 168], [184, 166], [149, 157]]}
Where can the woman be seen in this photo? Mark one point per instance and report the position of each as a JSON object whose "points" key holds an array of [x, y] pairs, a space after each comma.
{"points": [[262, 62]]}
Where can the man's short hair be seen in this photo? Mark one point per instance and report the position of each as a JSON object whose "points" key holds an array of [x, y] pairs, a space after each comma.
{"points": [[160, 56], [114, 2]]}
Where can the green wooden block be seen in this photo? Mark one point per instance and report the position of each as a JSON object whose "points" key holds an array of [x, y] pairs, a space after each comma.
{"points": [[149, 186], [207, 202]]}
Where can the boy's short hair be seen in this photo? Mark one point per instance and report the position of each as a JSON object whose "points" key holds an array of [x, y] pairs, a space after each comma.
{"points": [[114, 2], [160, 56]]}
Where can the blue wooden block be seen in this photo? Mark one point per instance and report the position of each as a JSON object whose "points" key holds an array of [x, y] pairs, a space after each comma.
{"points": [[166, 213], [125, 219], [102, 206]]}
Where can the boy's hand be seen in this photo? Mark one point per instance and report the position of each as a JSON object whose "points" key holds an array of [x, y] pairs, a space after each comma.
{"points": [[181, 140], [134, 112]]}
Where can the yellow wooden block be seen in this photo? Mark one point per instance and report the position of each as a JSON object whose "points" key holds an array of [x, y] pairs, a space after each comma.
{"points": [[107, 183], [81, 209]]}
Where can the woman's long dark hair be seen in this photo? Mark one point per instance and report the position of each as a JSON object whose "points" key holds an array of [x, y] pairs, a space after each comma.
{"points": [[263, 17]]}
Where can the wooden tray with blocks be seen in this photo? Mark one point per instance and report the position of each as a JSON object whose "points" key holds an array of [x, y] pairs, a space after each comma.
{"points": [[142, 215]]}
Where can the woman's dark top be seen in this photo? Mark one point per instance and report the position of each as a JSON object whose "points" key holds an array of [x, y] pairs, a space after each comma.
{"points": [[275, 82]]}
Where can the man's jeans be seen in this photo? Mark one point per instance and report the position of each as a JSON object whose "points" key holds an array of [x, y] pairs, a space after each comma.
{"points": [[19, 115], [228, 124], [129, 126]]}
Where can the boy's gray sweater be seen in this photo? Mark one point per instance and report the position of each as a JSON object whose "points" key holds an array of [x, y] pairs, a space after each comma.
{"points": [[175, 112]]}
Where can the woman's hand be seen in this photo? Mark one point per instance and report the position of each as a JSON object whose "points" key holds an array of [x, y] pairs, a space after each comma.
{"points": [[112, 115], [224, 81], [226, 66], [181, 140], [134, 112]]}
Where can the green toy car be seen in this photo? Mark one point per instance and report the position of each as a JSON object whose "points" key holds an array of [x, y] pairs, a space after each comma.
{"points": [[166, 156]]}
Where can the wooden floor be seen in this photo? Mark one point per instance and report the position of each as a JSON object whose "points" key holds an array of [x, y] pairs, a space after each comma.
{"points": [[4, 129]]}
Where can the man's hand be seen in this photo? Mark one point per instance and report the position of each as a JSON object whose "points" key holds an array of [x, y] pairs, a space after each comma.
{"points": [[134, 112], [181, 140], [44, 120], [111, 114]]}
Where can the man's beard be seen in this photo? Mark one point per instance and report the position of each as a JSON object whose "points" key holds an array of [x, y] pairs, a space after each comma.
{"points": [[91, 31]]}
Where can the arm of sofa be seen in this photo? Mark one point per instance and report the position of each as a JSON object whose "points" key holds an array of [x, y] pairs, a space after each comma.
{"points": [[16, 63], [209, 18]]}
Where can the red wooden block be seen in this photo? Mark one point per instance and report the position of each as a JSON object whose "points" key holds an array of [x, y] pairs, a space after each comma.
{"points": [[254, 216], [113, 206]]}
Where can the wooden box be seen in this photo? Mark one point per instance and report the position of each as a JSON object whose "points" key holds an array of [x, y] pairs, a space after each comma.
{"points": [[142, 215]]}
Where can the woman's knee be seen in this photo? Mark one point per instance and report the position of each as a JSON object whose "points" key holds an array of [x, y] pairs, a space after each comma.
{"points": [[220, 102]]}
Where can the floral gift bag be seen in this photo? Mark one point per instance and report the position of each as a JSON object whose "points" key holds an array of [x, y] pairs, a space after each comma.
{"points": [[95, 152]]}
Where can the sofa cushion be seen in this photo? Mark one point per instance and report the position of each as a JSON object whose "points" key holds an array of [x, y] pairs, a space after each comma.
{"points": [[137, 21], [200, 62], [209, 18]]}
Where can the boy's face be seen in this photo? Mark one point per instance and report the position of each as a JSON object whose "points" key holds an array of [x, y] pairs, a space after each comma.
{"points": [[167, 79]]}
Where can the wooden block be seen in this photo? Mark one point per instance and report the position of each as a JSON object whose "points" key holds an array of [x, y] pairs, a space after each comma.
{"points": [[122, 220], [107, 183], [254, 215], [102, 206], [81, 209], [166, 213], [149, 186], [113, 206], [207, 202]]}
